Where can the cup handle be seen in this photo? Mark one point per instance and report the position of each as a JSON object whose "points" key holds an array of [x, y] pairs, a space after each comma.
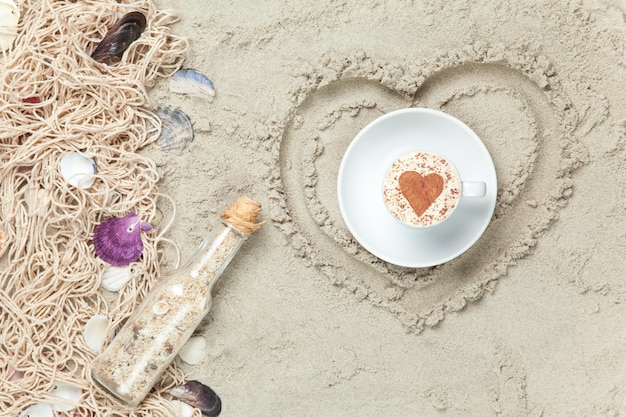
{"points": [[473, 189]]}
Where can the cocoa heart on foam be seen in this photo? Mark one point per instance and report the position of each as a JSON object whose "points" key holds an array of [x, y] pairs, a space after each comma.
{"points": [[420, 191], [490, 88]]}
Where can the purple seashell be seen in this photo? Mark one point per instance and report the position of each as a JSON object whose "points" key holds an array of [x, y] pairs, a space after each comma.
{"points": [[118, 240]]}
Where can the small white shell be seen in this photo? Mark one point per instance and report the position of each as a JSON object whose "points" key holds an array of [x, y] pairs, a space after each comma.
{"points": [[96, 331], [194, 351], [115, 277], [160, 308], [67, 397], [182, 409], [78, 169], [9, 17], [38, 410]]}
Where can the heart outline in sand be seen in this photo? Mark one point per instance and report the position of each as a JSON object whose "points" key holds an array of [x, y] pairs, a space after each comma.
{"points": [[350, 91], [420, 191]]}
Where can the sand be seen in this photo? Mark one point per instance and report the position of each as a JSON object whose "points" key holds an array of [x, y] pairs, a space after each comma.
{"points": [[305, 322]]}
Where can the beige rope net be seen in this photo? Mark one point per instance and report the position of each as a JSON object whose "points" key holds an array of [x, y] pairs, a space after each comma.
{"points": [[49, 274]]}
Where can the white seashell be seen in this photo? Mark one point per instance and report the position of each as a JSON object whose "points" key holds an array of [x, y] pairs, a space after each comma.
{"points": [[38, 201], [96, 331], [38, 410], [160, 308], [115, 277], [182, 409], [67, 397], [194, 351], [190, 81], [78, 169], [176, 130], [9, 17]]}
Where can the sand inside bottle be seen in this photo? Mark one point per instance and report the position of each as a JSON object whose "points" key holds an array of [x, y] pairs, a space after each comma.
{"points": [[137, 357]]}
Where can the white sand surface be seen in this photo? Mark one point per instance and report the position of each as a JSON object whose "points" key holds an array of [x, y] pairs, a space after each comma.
{"points": [[306, 322], [529, 322]]}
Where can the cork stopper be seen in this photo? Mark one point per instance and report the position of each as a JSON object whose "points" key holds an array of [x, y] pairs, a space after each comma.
{"points": [[243, 215]]}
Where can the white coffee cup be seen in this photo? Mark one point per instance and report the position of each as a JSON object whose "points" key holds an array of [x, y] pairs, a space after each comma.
{"points": [[422, 189]]}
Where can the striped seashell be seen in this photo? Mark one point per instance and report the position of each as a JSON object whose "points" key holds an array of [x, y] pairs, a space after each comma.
{"points": [[190, 81], [176, 130], [115, 277], [117, 240]]}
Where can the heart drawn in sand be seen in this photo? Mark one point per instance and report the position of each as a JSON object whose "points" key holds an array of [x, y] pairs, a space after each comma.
{"points": [[332, 103], [420, 191]]}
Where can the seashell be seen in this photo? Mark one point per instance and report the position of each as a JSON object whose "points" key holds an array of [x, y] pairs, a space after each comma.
{"points": [[182, 409], [115, 277], [125, 31], [118, 240], [78, 169], [12, 374], [38, 410], [38, 201], [193, 351], [190, 81], [160, 308], [176, 130], [9, 17], [198, 395], [96, 332], [67, 397]]}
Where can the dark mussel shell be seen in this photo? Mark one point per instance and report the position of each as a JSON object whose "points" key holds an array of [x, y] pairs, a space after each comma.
{"points": [[125, 31], [198, 395]]}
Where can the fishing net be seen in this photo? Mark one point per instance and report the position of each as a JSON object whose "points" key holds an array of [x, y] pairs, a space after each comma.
{"points": [[55, 99]]}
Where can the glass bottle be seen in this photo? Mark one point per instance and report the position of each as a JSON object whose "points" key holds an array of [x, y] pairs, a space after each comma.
{"points": [[149, 341]]}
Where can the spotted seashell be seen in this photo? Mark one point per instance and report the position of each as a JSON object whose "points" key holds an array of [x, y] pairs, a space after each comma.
{"points": [[118, 240], [198, 395], [9, 17], [125, 31], [176, 130], [190, 81]]}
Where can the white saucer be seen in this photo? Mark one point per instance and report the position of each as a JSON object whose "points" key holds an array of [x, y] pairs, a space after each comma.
{"points": [[363, 168]]}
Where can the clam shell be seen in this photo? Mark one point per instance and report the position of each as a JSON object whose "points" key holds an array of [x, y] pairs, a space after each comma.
{"points": [[125, 31], [115, 277], [66, 396], [160, 308], [95, 332], [198, 395], [181, 409], [190, 81], [176, 130], [194, 351], [38, 410], [9, 18], [78, 169], [118, 240], [38, 201]]}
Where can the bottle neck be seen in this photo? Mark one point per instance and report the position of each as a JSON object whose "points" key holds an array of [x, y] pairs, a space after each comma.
{"points": [[215, 253]]}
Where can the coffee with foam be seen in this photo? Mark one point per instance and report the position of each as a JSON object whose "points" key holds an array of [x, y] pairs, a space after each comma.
{"points": [[421, 189]]}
